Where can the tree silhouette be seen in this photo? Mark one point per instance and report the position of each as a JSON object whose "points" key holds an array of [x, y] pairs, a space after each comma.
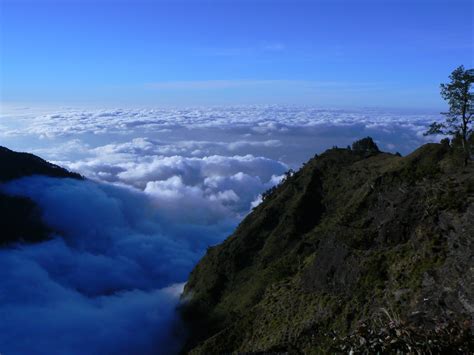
{"points": [[459, 118]]}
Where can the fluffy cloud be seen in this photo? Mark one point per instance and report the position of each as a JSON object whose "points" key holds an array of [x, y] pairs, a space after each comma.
{"points": [[124, 249], [193, 170], [114, 274], [216, 184], [285, 133], [262, 119], [166, 184]]}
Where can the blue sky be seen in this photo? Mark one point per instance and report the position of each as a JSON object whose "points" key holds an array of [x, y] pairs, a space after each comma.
{"points": [[323, 53]]}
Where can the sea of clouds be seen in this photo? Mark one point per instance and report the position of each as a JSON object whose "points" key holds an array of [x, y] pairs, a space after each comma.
{"points": [[163, 185], [108, 283]]}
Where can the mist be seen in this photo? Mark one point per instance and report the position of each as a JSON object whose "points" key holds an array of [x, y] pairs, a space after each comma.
{"points": [[110, 280]]}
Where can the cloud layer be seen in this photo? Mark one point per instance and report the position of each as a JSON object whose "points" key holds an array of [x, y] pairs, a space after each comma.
{"points": [[284, 133], [127, 243], [110, 281], [164, 185], [70, 121]]}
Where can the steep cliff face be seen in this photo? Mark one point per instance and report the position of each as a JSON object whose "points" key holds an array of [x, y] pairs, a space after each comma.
{"points": [[20, 219], [354, 236]]}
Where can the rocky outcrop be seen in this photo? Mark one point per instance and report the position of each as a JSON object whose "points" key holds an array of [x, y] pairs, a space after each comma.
{"points": [[356, 237]]}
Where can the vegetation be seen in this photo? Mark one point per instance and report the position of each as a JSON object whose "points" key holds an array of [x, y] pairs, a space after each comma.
{"points": [[459, 118], [365, 146], [387, 334], [288, 174], [352, 232]]}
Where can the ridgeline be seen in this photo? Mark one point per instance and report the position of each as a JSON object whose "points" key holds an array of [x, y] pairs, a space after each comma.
{"points": [[359, 250], [20, 217]]}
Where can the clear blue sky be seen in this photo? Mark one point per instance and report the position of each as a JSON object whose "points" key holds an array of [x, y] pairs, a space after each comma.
{"points": [[329, 53]]}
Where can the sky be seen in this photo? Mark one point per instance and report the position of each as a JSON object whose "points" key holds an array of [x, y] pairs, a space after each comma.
{"points": [[180, 114], [350, 53]]}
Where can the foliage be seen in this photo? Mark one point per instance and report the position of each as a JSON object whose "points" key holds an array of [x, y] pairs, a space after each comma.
{"points": [[365, 145], [391, 335], [458, 120], [273, 189], [347, 234]]}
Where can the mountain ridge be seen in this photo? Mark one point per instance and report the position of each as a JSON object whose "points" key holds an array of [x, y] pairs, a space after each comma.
{"points": [[353, 232], [20, 216]]}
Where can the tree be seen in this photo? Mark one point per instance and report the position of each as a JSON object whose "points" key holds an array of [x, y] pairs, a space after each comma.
{"points": [[459, 118]]}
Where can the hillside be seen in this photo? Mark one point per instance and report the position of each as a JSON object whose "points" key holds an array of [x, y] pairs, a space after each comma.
{"points": [[20, 218], [358, 250]]}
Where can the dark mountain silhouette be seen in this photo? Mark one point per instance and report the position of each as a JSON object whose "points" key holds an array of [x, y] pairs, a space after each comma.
{"points": [[359, 250], [20, 218], [15, 165]]}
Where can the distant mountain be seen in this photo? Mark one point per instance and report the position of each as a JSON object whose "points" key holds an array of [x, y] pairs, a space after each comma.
{"points": [[20, 218], [358, 250], [15, 165]]}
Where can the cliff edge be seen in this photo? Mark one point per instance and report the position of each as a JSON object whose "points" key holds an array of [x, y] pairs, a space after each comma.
{"points": [[359, 249]]}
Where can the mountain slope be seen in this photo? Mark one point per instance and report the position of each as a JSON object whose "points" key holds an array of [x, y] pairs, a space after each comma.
{"points": [[352, 233], [20, 218]]}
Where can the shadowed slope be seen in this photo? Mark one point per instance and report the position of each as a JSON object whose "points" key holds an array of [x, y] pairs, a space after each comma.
{"points": [[15, 165], [20, 219], [349, 234]]}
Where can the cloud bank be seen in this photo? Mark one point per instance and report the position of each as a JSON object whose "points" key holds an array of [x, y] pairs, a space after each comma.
{"points": [[70, 121], [109, 282], [164, 185], [78, 138]]}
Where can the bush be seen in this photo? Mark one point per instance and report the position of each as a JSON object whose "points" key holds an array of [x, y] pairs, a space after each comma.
{"points": [[394, 336], [365, 145]]}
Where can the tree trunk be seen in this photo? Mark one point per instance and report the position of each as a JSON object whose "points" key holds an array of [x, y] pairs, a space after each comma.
{"points": [[465, 146], [464, 129]]}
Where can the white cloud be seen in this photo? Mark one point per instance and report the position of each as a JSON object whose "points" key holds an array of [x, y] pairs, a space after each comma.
{"points": [[175, 180], [74, 122], [112, 268], [183, 178], [111, 275]]}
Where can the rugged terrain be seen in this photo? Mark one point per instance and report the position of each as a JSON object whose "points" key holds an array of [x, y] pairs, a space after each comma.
{"points": [[358, 250], [20, 217]]}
